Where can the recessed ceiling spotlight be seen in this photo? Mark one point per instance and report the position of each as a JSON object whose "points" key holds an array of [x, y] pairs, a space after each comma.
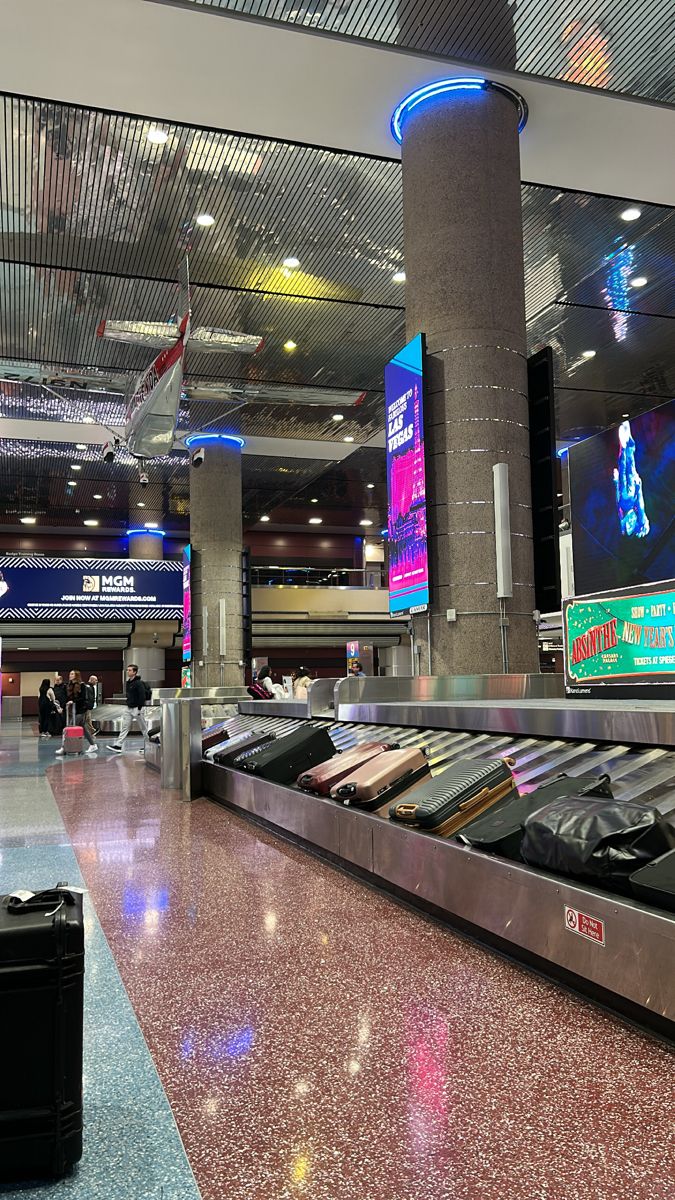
{"points": [[631, 214], [639, 281], [75, 467], [90, 522], [291, 262], [370, 486], [140, 504], [205, 220], [264, 518], [314, 500], [152, 525], [625, 416], [158, 137], [72, 483], [348, 439], [338, 417], [98, 496], [80, 446], [290, 346], [315, 521], [28, 520], [398, 277], [588, 353], [365, 522]]}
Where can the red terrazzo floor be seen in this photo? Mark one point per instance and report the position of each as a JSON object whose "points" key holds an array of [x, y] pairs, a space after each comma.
{"points": [[317, 1040]]}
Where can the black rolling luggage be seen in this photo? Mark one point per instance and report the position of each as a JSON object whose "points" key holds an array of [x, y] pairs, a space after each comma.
{"points": [[214, 735], [500, 831], [237, 746], [655, 883], [451, 799], [291, 755], [41, 990]]}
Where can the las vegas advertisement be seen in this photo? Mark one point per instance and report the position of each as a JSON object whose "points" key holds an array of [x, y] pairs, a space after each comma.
{"points": [[72, 589], [622, 640], [187, 606], [407, 517]]}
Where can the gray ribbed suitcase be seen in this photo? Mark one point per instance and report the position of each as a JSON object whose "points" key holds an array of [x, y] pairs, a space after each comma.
{"points": [[455, 797]]}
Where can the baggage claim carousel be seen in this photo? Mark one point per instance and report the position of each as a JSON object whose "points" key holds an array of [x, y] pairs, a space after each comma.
{"points": [[523, 912]]}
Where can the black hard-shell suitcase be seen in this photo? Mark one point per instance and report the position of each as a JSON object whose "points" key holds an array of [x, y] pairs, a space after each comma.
{"points": [[243, 744], [500, 831], [41, 993], [291, 754], [655, 883], [451, 799]]}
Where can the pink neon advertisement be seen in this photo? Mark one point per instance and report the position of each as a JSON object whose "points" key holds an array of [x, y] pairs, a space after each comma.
{"points": [[406, 480]]}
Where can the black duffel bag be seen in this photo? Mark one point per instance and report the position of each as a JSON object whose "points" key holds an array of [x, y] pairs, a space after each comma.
{"points": [[600, 841]]}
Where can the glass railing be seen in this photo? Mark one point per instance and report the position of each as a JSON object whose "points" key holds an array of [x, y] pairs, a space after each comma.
{"points": [[372, 577]]}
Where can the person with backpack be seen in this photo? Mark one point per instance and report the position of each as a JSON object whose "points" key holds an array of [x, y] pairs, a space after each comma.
{"points": [[138, 694], [79, 695]]}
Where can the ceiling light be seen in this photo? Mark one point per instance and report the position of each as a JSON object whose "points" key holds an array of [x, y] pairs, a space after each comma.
{"points": [[72, 483], [89, 420], [398, 277], [315, 521], [338, 417], [639, 281], [158, 137], [80, 446], [98, 496], [348, 439], [370, 486], [314, 500], [90, 522], [28, 520], [75, 467], [290, 346], [152, 524], [205, 220], [365, 522], [23, 647], [291, 262], [140, 504], [91, 647], [264, 518], [588, 353], [631, 214]]}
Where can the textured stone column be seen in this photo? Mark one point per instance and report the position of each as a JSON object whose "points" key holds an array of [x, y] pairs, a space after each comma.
{"points": [[146, 504], [465, 292], [216, 537]]}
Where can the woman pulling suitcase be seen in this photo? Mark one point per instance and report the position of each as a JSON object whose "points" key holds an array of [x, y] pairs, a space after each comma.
{"points": [[79, 695]]}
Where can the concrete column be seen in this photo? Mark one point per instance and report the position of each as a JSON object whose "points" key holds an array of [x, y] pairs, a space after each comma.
{"points": [[146, 504], [150, 661], [465, 292], [216, 537]]}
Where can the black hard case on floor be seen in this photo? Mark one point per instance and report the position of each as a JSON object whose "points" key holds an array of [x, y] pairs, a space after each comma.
{"points": [[41, 995], [240, 745], [291, 755], [655, 883], [500, 830], [451, 799]]}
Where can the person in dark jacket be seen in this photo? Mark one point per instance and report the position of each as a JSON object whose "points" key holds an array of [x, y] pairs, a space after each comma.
{"points": [[134, 711], [61, 694], [79, 694], [46, 706]]}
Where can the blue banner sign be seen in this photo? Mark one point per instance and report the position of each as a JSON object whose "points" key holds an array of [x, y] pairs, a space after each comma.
{"points": [[74, 589]]}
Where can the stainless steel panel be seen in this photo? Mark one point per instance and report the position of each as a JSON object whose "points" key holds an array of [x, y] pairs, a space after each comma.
{"points": [[217, 694], [308, 817], [275, 708], [321, 696], [153, 756], [11, 708], [444, 689], [181, 746]]}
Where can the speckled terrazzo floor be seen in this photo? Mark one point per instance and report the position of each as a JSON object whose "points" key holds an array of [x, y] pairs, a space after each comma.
{"points": [[317, 1040]]}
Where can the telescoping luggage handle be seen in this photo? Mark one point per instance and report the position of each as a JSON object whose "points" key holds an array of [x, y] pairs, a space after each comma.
{"points": [[21, 901]]}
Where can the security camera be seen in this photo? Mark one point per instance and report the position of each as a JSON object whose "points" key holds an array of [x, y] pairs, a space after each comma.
{"points": [[143, 479], [198, 457], [564, 525], [108, 452]]}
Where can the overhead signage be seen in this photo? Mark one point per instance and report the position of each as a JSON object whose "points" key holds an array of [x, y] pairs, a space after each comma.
{"points": [[591, 928], [187, 604], [72, 589], [623, 639], [406, 482]]}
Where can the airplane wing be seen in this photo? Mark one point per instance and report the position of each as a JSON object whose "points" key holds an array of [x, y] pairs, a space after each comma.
{"points": [[160, 335]]}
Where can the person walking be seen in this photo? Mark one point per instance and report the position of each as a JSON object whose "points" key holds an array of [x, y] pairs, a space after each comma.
{"points": [[136, 698], [92, 684], [46, 706], [79, 695]]}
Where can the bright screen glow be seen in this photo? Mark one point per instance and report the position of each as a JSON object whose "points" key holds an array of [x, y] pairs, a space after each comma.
{"points": [[406, 485], [187, 605], [622, 486]]}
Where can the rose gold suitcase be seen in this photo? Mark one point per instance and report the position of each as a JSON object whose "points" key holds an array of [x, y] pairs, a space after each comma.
{"points": [[324, 777], [383, 779]]}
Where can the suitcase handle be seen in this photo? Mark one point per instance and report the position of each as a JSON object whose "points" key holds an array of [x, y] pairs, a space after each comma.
{"points": [[24, 901], [466, 804], [406, 810]]}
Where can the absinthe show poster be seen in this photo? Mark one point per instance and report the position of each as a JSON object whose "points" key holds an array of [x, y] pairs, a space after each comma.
{"points": [[407, 515]]}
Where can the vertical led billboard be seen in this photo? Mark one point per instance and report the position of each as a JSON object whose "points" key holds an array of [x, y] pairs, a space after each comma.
{"points": [[187, 605], [406, 486]]}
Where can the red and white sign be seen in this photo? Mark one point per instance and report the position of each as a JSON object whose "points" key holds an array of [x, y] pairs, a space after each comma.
{"points": [[588, 927]]}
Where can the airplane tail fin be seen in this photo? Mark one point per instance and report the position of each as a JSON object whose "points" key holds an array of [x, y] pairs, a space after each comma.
{"points": [[183, 293]]}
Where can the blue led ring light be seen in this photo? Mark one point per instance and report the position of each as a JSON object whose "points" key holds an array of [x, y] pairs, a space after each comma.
{"points": [[445, 87], [157, 532], [198, 439]]}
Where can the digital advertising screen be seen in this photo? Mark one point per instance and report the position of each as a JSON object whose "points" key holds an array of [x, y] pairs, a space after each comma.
{"points": [[623, 639], [622, 492], [72, 589], [406, 481], [187, 604]]}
